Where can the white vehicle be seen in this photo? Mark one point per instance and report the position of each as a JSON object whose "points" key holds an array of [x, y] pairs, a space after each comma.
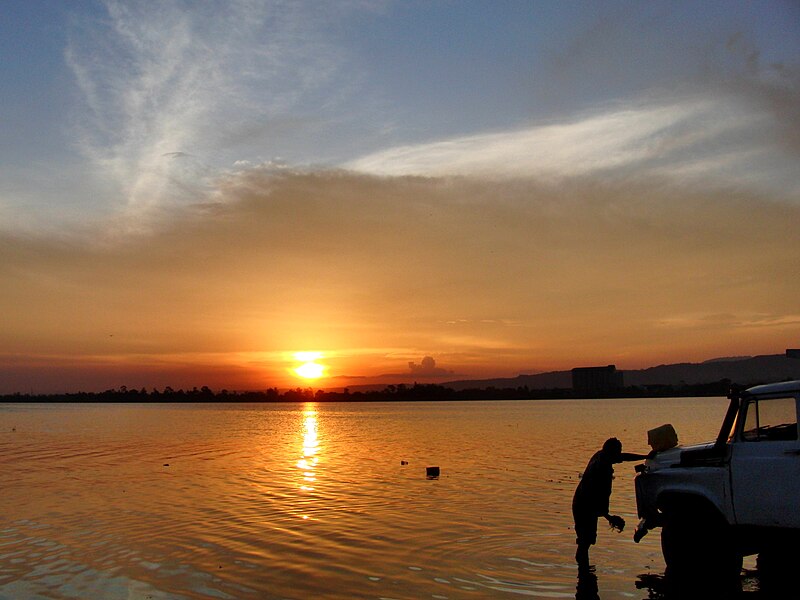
{"points": [[737, 496]]}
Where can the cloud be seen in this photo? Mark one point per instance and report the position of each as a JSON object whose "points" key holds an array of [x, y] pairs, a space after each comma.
{"points": [[157, 79], [691, 141], [715, 114], [233, 85], [427, 367]]}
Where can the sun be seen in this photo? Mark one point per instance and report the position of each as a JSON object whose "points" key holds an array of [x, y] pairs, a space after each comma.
{"points": [[310, 369]]}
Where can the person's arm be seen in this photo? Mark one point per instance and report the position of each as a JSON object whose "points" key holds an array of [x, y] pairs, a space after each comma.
{"points": [[630, 456]]}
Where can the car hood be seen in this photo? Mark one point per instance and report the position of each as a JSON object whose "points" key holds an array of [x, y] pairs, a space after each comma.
{"points": [[670, 457]]}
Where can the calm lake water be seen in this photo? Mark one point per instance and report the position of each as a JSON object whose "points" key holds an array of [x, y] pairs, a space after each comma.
{"points": [[312, 500]]}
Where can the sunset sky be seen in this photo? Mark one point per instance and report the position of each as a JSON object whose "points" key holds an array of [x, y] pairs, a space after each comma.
{"points": [[194, 193]]}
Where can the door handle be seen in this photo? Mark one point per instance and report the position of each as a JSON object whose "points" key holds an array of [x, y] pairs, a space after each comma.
{"points": [[792, 452]]}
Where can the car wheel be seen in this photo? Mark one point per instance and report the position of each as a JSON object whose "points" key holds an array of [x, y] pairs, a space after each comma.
{"points": [[777, 567], [696, 542]]}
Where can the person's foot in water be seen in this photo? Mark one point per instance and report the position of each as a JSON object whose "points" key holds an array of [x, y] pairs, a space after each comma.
{"points": [[582, 556]]}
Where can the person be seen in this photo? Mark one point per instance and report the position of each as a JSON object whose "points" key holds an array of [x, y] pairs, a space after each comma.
{"points": [[592, 496]]}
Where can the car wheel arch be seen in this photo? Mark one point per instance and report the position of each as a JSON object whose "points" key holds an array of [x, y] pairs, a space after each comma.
{"points": [[688, 504]]}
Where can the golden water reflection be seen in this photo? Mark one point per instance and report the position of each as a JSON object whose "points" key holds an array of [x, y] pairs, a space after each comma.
{"points": [[308, 463], [227, 518]]}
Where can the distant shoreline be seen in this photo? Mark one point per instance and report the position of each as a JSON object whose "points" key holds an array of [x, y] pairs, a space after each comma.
{"points": [[392, 393], [709, 378]]}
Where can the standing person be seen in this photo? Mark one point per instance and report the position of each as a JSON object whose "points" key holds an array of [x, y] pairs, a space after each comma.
{"points": [[592, 495]]}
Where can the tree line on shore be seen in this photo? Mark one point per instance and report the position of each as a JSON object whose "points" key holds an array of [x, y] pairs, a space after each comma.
{"points": [[400, 392]]}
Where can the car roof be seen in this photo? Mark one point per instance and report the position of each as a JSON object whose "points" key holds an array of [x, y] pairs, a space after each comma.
{"points": [[784, 387]]}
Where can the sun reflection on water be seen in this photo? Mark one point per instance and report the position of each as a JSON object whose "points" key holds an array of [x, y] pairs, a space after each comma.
{"points": [[308, 463]]}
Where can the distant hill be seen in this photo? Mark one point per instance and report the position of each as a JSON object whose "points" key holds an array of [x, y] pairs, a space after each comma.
{"points": [[744, 371], [726, 359], [741, 370], [539, 381]]}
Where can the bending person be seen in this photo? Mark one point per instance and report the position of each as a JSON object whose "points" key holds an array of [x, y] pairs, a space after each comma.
{"points": [[592, 495]]}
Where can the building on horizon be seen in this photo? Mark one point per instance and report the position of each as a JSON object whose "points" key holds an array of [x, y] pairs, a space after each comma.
{"points": [[596, 379]]}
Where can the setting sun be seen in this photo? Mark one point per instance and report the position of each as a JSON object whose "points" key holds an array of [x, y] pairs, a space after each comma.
{"points": [[310, 369]]}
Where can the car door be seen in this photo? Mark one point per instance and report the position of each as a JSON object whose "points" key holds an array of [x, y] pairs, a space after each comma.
{"points": [[765, 464]]}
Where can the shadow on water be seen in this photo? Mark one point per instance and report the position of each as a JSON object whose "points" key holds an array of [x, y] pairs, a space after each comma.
{"points": [[749, 585]]}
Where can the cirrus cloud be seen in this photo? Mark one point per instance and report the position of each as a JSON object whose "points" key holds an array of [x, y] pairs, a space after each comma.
{"points": [[721, 142]]}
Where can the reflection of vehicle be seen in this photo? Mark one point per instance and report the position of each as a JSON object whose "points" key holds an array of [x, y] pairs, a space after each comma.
{"points": [[739, 495]]}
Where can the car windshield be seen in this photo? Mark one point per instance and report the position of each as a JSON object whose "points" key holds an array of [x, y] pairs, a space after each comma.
{"points": [[773, 419]]}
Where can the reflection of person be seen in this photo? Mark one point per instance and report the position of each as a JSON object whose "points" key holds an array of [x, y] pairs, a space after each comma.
{"points": [[587, 588], [592, 495]]}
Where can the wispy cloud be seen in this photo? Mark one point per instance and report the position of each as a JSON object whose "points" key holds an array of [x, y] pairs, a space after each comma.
{"points": [[694, 140], [172, 95], [714, 321], [160, 80]]}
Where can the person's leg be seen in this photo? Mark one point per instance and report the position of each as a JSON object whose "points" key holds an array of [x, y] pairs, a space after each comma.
{"points": [[582, 555], [586, 535]]}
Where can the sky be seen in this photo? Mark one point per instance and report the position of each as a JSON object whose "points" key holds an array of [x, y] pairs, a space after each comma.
{"points": [[205, 193]]}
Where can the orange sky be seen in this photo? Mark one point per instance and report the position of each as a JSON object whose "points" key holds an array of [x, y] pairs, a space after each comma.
{"points": [[193, 193], [490, 278]]}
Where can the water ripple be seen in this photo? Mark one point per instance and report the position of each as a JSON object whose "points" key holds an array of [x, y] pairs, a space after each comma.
{"points": [[304, 501]]}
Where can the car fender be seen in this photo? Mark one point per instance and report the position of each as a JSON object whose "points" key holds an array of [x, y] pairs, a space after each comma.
{"points": [[663, 489]]}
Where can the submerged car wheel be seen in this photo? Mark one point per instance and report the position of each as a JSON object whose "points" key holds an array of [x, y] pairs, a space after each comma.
{"points": [[697, 543], [777, 567]]}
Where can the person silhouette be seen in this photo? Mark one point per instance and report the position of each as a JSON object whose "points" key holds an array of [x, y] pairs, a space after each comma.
{"points": [[592, 496]]}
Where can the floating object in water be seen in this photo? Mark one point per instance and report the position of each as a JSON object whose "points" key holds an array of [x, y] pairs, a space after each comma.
{"points": [[166, 464], [432, 471], [404, 462]]}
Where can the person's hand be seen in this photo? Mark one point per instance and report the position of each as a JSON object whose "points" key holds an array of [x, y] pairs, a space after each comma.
{"points": [[616, 522]]}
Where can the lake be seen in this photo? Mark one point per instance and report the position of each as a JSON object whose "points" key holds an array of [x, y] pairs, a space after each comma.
{"points": [[296, 501]]}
